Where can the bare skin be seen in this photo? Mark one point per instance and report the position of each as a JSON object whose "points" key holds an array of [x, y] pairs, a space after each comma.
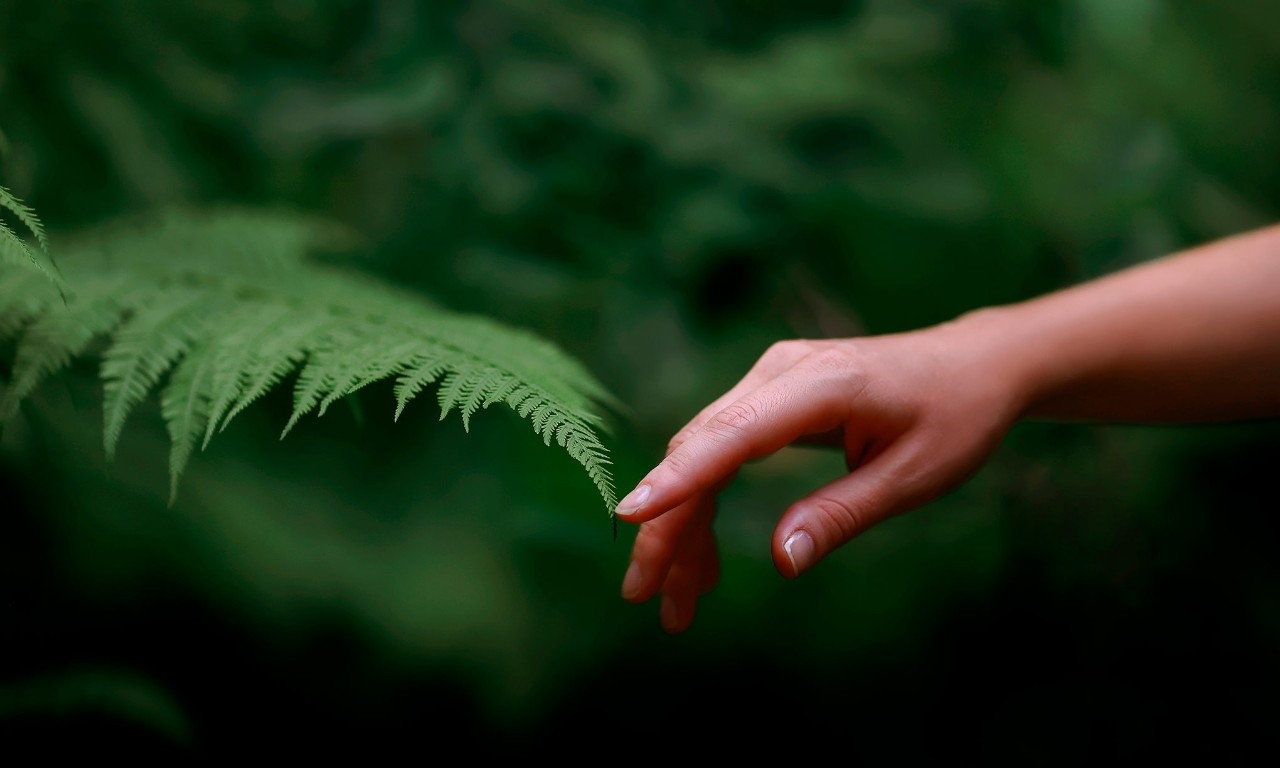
{"points": [[1191, 338]]}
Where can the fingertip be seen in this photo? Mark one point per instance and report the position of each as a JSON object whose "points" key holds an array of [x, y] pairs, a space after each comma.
{"points": [[632, 582], [680, 593], [648, 501], [633, 502], [795, 553], [800, 551], [674, 617]]}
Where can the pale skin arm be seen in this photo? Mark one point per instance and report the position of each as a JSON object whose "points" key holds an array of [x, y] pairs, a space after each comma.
{"points": [[1190, 338]]}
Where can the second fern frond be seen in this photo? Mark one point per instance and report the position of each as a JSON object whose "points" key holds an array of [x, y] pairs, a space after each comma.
{"points": [[15, 249]]}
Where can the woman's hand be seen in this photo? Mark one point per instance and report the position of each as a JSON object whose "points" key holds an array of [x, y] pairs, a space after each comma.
{"points": [[1193, 337], [914, 413]]}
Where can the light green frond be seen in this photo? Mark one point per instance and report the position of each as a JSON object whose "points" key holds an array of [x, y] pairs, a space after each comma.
{"points": [[145, 347], [477, 388], [38, 256], [495, 390], [576, 435], [185, 407], [319, 374], [31, 292], [50, 342], [423, 371], [233, 345], [455, 387], [25, 215], [273, 354], [228, 305], [361, 366], [233, 244]]}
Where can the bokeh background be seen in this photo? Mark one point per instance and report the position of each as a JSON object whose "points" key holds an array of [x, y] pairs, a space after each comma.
{"points": [[662, 189]]}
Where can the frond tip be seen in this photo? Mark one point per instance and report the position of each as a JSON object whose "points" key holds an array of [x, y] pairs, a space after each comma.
{"points": [[10, 243], [216, 309]]}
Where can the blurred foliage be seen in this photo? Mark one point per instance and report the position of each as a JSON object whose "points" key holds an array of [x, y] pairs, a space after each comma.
{"points": [[661, 188], [115, 699]]}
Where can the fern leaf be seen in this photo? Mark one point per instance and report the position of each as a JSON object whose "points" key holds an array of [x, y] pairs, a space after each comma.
{"points": [[53, 339], [495, 391], [31, 292], [185, 407], [271, 358], [422, 372], [144, 349], [473, 391], [25, 215], [455, 387], [228, 305], [318, 376], [233, 346], [39, 256], [361, 366]]}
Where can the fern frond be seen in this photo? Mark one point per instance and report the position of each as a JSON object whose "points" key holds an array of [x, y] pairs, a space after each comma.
{"points": [[232, 345], [39, 256], [361, 367], [319, 376], [145, 347], [185, 406], [30, 289], [54, 338], [228, 305], [270, 357], [420, 373]]}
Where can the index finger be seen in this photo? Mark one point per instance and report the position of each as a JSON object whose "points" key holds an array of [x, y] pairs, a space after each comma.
{"points": [[760, 422]]}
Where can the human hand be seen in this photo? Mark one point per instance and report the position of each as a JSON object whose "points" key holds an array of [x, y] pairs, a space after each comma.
{"points": [[915, 414]]}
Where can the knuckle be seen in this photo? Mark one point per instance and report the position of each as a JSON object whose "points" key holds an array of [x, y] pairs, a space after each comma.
{"points": [[734, 418], [778, 349], [680, 465], [844, 518], [835, 360], [785, 351], [656, 540], [678, 439]]}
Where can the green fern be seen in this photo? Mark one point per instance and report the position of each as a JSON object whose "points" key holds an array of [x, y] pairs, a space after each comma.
{"points": [[215, 309], [14, 249]]}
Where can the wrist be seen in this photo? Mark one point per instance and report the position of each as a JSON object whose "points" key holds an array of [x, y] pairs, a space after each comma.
{"points": [[1002, 350]]}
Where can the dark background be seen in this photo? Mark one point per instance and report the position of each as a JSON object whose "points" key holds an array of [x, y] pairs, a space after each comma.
{"points": [[662, 189]]}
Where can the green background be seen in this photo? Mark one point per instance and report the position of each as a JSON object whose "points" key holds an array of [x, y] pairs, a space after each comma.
{"points": [[662, 189]]}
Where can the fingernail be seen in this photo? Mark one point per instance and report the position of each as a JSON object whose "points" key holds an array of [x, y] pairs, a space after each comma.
{"points": [[631, 582], [632, 502], [799, 547]]}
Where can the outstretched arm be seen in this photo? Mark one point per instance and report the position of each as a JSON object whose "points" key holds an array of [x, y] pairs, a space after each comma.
{"points": [[1193, 337]]}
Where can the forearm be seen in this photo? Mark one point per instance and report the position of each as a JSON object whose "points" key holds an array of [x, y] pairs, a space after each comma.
{"points": [[1193, 337]]}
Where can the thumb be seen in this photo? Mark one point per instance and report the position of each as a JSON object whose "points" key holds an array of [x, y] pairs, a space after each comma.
{"points": [[833, 515]]}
